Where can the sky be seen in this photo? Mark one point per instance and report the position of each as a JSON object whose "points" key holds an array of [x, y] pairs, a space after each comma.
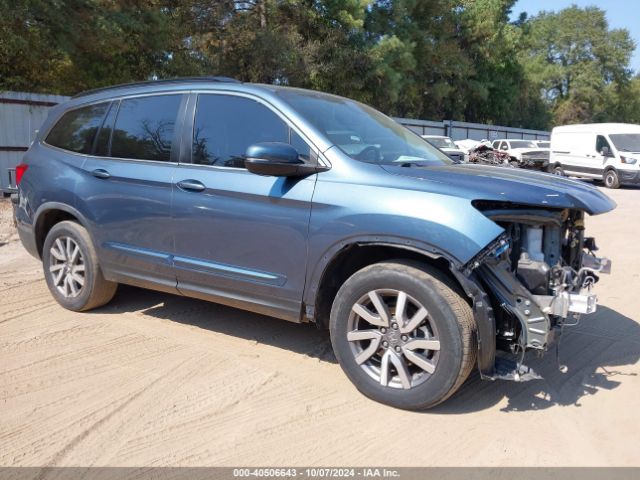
{"points": [[620, 14]]}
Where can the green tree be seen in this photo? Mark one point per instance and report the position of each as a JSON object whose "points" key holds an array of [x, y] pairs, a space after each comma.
{"points": [[577, 62]]}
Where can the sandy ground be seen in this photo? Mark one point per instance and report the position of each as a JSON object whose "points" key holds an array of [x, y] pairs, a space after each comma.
{"points": [[155, 379]]}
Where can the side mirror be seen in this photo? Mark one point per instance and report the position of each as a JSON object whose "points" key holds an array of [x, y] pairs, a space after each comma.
{"points": [[606, 152], [276, 159]]}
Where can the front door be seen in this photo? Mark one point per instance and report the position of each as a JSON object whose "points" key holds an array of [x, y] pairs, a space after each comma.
{"points": [[240, 238], [126, 189]]}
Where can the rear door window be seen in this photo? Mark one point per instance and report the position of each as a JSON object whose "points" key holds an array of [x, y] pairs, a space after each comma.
{"points": [[144, 128], [103, 141], [76, 130]]}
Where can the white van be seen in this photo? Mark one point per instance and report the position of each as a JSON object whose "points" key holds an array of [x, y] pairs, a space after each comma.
{"points": [[605, 151]]}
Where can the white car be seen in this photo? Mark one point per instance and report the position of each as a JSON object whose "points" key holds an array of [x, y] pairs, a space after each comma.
{"points": [[543, 143], [524, 153], [603, 151], [447, 146]]}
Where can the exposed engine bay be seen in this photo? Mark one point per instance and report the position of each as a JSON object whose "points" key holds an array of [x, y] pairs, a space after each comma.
{"points": [[538, 275]]}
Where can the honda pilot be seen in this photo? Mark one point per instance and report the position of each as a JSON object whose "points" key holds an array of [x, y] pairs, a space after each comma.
{"points": [[310, 207]]}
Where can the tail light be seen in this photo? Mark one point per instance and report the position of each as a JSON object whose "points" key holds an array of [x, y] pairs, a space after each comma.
{"points": [[20, 169]]}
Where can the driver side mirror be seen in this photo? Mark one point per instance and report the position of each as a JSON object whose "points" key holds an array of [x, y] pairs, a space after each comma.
{"points": [[276, 159], [606, 152]]}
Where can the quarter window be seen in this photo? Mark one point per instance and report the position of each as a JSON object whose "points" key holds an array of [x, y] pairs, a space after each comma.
{"points": [[76, 130], [144, 128], [226, 125]]}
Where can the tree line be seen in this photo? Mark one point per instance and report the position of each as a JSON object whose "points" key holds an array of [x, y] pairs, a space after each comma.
{"points": [[432, 59]]}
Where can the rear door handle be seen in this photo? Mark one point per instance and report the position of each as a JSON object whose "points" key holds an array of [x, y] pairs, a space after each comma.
{"points": [[191, 185], [100, 173]]}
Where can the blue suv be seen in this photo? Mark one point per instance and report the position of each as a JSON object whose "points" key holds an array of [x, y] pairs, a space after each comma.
{"points": [[311, 208]]}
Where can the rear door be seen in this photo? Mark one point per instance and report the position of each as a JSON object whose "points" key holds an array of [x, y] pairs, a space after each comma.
{"points": [[240, 238], [126, 189]]}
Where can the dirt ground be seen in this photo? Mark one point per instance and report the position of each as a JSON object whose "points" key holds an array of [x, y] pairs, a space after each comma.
{"points": [[157, 380]]}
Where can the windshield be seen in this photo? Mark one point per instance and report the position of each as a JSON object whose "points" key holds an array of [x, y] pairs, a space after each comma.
{"points": [[362, 132], [522, 144], [626, 142], [440, 142], [544, 144]]}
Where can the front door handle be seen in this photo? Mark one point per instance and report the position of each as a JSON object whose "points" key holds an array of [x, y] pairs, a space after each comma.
{"points": [[191, 185], [100, 173]]}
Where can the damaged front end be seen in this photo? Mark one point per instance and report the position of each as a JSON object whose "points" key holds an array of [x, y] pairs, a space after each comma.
{"points": [[532, 281]]}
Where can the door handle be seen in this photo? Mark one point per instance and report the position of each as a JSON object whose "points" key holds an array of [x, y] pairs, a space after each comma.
{"points": [[100, 173], [191, 185]]}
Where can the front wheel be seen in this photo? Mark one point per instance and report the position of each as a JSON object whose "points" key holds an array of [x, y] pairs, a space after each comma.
{"points": [[403, 335], [71, 268], [611, 179]]}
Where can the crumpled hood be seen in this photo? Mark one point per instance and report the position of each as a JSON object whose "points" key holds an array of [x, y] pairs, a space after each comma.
{"points": [[481, 182]]}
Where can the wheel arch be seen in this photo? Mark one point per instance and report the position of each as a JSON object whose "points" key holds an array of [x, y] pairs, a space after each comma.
{"points": [[347, 258], [48, 215]]}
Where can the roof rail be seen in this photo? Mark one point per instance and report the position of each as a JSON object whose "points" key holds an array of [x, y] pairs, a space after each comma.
{"points": [[166, 81]]}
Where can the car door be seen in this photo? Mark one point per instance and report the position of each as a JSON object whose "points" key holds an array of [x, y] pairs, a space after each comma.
{"points": [[597, 160], [126, 189], [240, 238]]}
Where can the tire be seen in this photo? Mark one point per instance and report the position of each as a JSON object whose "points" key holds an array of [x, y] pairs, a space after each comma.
{"points": [[514, 163], [557, 170], [73, 276], [611, 179], [445, 339]]}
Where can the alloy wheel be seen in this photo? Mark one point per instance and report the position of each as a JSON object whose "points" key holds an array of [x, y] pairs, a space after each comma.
{"points": [[392, 338], [66, 266]]}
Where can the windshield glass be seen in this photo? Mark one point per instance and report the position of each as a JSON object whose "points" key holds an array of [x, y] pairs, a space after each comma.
{"points": [[440, 142], [626, 142], [362, 132], [544, 144], [522, 144]]}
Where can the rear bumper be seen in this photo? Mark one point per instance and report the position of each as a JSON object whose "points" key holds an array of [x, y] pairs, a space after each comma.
{"points": [[25, 228]]}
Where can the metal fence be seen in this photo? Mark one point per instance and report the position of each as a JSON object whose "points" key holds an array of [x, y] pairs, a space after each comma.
{"points": [[475, 131], [21, 115]]}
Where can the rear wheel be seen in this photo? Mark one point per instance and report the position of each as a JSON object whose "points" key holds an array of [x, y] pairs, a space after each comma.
{"points": [[557, 170], [71, 268], [403, 335], [611, 179]]}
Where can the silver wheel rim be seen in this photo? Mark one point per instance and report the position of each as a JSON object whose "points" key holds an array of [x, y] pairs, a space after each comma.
{"points": [[66, 266], [609, 179], [392, 339], [557, 171]]}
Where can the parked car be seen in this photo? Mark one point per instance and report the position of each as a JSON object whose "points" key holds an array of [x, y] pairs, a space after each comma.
{"points": [[446, 145], [311, 208], [524, 153], [602, 151]]}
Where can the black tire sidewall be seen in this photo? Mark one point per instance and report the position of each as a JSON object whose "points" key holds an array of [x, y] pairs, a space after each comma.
{"points": [[440, 383], [615, 182], [72, 230]]}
